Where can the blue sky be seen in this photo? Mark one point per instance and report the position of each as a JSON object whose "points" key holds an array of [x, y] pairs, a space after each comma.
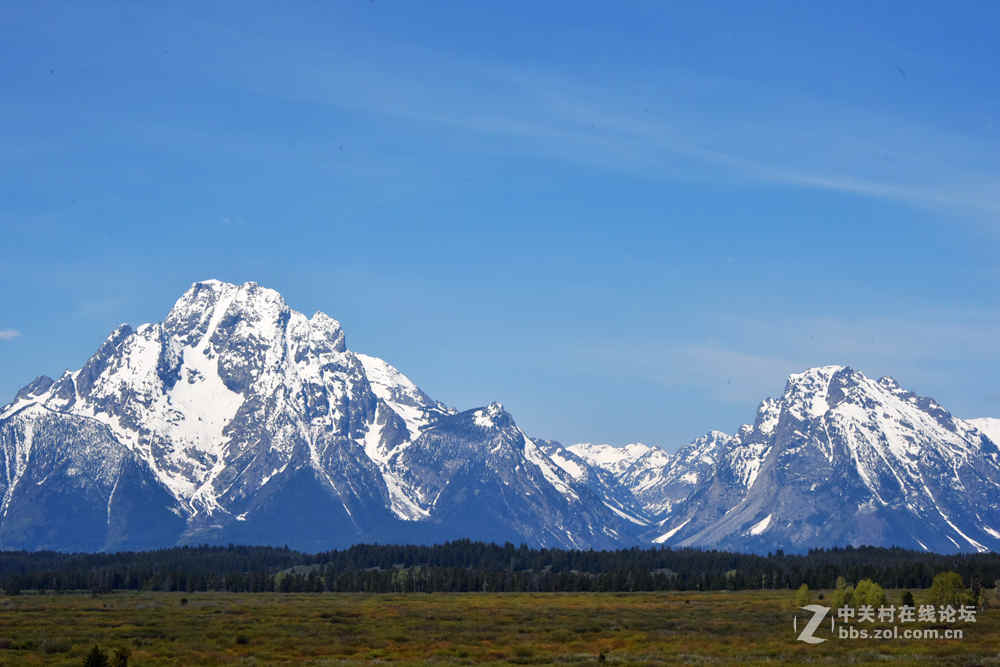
{"points": [[627, 221]]}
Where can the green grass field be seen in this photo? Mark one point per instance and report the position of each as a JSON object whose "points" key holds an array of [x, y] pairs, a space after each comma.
{"points": [[749, 627]]}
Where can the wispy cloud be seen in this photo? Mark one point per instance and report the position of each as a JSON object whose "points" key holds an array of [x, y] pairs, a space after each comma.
{"points": [[748, 359], [9, 334], [682, 125], [669, 124]]}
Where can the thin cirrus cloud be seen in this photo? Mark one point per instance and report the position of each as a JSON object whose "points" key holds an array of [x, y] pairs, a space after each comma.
{"points": [[9, 334], [755, 359], [681, 126]]}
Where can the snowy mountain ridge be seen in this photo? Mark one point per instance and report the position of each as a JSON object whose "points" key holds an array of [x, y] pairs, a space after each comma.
{"points": [[844, 459], [239, 419], [609, 457], [235, 395]]}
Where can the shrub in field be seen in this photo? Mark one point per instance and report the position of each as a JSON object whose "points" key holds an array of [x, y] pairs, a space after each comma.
{"points": [[868, 592], [56, 645], [802, 596], [120, 657], [96, 658], [843, 597], [947, 588], [908, 599]]}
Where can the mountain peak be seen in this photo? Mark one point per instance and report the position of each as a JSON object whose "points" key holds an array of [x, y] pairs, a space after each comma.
{"points": [[207, 295], [806, 393], [237, 418], [492, 416], [816, 375]]}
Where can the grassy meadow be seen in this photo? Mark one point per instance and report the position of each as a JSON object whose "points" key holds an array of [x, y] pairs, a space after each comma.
{"points": [[745, 627]]}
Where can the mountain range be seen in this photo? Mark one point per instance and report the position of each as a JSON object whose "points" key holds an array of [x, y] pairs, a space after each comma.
{"points": [[240, 420]]}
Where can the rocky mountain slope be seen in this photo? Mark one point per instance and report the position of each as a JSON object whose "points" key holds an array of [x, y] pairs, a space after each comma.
{"points": [[842, 459], [239, 419]]}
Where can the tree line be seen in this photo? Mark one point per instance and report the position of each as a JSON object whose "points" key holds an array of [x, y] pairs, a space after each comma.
{"points": [[467, 566]]}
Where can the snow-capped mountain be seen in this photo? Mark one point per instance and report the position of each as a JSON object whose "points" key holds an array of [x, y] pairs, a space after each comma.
{"points": [[238, 419], [615, 460], [599, 479], [622, 471], [844, 459]]}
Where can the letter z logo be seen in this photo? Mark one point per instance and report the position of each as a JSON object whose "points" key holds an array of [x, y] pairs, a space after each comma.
{"points": [[819, 612]]}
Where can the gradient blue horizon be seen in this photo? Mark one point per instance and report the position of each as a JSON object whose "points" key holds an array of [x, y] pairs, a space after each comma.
{"points": [[626, 223]]}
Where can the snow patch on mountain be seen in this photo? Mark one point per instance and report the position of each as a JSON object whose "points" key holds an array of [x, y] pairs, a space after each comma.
{"points": [[486, 417], [761, 526], [401, 394], [545, 464], [609, 457], [670, 533], [575, 470], [625, 515]]}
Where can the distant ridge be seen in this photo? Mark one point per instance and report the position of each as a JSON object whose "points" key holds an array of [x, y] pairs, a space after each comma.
{"points": [[238, 419]]}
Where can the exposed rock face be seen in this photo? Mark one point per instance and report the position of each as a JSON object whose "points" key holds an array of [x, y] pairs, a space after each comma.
{"points": [[843, 459], [240, 419]]}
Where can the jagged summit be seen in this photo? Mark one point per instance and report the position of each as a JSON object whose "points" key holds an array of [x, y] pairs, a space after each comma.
{"points": [[808, 392], [493, 416], [840, 458], [257, 423]]}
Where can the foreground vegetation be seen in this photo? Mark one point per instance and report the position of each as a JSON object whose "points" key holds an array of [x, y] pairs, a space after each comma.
{"points": [[467, 602], [722, 627]]}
